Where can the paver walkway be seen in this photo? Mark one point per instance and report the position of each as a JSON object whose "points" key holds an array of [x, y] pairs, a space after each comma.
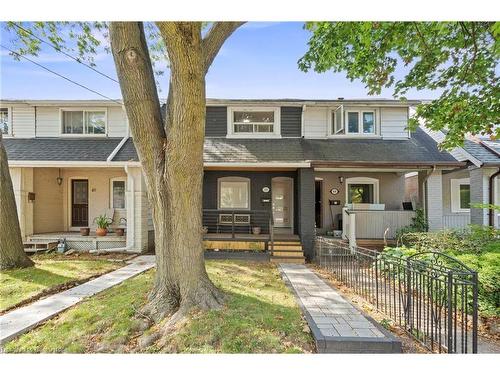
{"points": [[337, 326], [21, 320]]}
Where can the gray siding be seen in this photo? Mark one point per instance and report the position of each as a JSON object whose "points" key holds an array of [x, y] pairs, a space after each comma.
{"points": [[291, 120], [305, 185], [216, 122]]}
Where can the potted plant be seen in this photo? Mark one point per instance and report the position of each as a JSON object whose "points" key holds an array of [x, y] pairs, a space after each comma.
{"points": [[120, 231], [204, 230], [84, 231], [103, 222], [256, 230]]}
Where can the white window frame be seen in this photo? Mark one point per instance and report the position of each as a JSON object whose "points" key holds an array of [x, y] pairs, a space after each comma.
{"points": [[366, 181], [234, 179], [83, 109], [111, 204], [455, 194], [276, 125], [9, 121], [359, 110]]}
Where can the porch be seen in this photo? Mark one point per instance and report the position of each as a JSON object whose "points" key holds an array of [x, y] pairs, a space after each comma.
{"points": [[76, 241]]}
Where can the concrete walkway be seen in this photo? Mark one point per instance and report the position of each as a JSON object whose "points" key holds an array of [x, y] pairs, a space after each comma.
{"points": [[337, 326], [19, 321]]}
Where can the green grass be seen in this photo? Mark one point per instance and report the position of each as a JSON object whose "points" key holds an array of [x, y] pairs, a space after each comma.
{"points": [[260, 316], [49, 271]]}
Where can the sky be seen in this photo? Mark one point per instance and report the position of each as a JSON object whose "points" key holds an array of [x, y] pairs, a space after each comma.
{"points": [[259, 61]]}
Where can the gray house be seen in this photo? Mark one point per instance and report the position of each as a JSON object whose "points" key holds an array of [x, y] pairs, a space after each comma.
{"points": [[276, 173]]}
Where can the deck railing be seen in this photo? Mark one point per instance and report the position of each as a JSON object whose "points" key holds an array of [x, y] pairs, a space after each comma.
{"points": [[238, 222], [432, 296]]}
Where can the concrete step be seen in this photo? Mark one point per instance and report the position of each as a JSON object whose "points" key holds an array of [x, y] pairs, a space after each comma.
{"points": [[294, 260]]}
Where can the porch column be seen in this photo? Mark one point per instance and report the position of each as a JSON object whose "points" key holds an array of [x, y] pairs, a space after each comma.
{"points": [[479, 193], [137, 210], [22, 182], [434, 201], [305, 185]]}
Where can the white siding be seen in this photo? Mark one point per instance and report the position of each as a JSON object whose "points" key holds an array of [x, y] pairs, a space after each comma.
{"points": [[23, 121], [47, 122], [117, 125], [316, 122], [434, 201], [394, 122]]}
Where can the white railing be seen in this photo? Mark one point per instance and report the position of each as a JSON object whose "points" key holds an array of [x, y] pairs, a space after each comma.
{"points": [[373, 224], [455, 221]]}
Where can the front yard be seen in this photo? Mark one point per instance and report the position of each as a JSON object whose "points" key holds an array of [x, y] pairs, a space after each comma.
{"points": [[50, 273], [260, 316]]}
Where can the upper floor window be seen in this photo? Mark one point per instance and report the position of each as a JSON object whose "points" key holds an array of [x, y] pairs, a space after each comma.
{"points": [[254, 122], [84, 122], [5, 127], [353, 122]]}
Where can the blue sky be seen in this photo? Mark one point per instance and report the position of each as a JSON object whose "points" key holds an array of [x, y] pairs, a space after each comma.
{"points": [[258, 61]]}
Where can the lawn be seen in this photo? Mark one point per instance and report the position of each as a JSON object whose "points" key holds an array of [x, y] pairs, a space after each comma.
{"points": [[50, 272], [260, 316]]}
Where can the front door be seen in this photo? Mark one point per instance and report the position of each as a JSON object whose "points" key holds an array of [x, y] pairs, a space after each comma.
{"points": [[318, 206], [282, 202], [79, 203]]}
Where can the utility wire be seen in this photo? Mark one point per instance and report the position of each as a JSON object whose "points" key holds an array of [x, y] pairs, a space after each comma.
{"points": [[60, 75], [58, 49]]}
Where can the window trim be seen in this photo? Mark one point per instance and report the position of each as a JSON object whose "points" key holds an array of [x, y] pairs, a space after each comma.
{"points": [[111, 204], [9, 121], [276, 125], [332, 122], [83, 109], [455, 194], [246, 180], [366, 181]]}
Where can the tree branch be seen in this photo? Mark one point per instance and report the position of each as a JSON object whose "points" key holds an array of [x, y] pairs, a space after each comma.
{"points": [[215, 38]]}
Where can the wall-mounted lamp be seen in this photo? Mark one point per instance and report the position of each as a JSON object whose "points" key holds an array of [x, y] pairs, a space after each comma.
{"points": [[59, 178], [341, 179]]}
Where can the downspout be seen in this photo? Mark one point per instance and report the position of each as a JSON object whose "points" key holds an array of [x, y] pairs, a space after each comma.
{"points": [[491, 187], [424, 196], [302, 127]]}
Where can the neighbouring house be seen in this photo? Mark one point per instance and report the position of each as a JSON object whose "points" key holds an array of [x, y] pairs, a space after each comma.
{"points": [[476, 182], [276, 172]]}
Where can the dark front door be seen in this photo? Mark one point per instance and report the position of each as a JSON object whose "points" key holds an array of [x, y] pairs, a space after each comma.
{"points": [[79, 203], [318, 206]]}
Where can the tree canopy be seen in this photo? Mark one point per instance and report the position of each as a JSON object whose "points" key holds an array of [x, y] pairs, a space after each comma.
{"points": [[460, 59]]}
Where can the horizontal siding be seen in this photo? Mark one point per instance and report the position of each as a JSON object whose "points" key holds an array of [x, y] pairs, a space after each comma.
{"points": [[394, 122], [47, 122], [216, 122], [455, 221], [117, 124], [23, 121], [315, 122], [373, 224], [291, 119]]}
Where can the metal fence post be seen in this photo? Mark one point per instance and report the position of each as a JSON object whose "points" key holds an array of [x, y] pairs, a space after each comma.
{"points": [[474, 311], [409, 291], [449, 329]]}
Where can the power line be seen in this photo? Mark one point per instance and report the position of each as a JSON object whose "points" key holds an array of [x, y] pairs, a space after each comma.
{"points": [[60, 75], [58, 49]]}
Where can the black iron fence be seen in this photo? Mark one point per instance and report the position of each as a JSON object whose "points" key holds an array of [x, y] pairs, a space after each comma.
{"points": [[237, 222], [431, 295]]}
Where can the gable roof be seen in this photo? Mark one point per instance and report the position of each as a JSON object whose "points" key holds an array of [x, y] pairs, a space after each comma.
{"points": [[487, 152]]}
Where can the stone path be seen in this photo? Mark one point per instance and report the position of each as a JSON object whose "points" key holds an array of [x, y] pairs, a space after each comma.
{"points": [[337, 326], [19, 321]]}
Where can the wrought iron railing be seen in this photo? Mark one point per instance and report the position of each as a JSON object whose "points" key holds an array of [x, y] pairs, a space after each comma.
{"points": [[431, 295], [238, 222]]}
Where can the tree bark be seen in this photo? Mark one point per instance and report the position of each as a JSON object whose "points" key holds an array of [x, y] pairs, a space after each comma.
{"points": [[171, 153], [12, 253]]}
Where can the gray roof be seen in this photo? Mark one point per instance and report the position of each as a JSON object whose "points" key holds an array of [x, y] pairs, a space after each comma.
{"points": [[484, 152], [60, 149], [420, 149]]}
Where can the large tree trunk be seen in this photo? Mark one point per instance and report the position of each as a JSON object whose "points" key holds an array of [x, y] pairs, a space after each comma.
{"points": [[12, 253], [171, 153]]}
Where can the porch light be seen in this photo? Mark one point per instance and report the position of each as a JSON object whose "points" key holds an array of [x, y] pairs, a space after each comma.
{"points": [[341, 179], [59, 178]]}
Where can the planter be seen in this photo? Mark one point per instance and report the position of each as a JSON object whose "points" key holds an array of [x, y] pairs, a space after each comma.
{"points": [[101, 232], [84, 231], [204, 230], [256, 230], [120, 231]]}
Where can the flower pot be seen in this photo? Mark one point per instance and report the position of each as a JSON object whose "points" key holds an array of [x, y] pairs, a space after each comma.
{"points": [[204, 230], [120, 231], [84, 231], [256, 230], [101, 231]]}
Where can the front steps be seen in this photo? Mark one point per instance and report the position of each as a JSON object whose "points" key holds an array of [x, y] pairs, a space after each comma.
{"points": [[33, 247], [287, 252]]}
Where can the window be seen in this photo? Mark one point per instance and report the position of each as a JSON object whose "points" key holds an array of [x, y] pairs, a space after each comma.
{"points": [[460, 195], [362, 190], [234, 193], [118, 193], [253, 122], [5, 121], [85, 122], [360, 122]]}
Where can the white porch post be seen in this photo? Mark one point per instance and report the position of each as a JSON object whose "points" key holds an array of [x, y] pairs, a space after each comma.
{"points": [[434, 200], [137, 221], [22, 182]]}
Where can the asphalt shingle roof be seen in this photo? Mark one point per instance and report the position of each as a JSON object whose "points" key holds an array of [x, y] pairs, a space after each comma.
{"points": [[481, 152], [60, 149]]}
